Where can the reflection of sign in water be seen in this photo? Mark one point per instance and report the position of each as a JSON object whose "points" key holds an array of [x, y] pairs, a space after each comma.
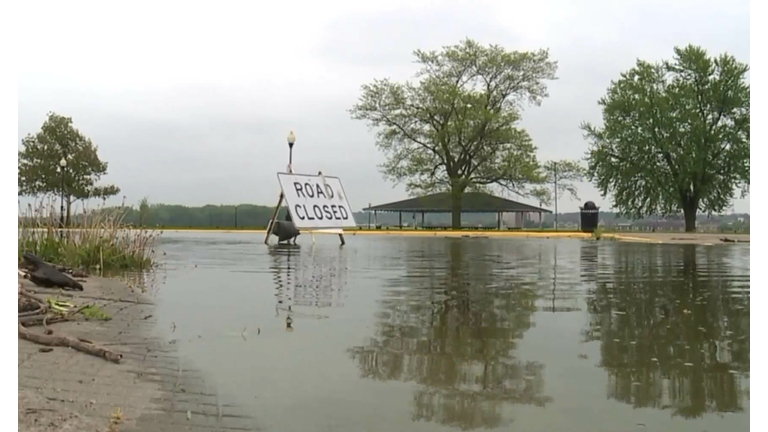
{"points": [[316, 201], [309, 280], [320, 281]]}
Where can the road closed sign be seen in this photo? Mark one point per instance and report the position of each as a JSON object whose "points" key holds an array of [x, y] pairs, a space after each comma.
{"points": [[316, 202]]}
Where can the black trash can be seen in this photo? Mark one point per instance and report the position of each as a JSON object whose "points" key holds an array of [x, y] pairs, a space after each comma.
{"points": [[590, 217]]}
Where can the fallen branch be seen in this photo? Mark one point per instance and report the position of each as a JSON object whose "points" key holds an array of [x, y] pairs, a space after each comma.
{"points": [[28, 321], [65, 341], [40, 309], [730, 240], [28, 294]]}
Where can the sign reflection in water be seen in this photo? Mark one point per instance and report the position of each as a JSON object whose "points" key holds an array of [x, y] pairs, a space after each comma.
{"points": [[452, 327], [311, 280], [674, 332]]}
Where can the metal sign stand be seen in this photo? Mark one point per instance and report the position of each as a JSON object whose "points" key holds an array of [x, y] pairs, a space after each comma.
{"points": [[311, 232], [274, 219]]}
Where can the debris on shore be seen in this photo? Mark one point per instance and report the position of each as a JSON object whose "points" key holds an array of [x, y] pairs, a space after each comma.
{"points": [[34, 310], [47, 275]]}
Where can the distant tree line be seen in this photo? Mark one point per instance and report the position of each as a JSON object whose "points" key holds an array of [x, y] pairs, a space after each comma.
{"points": [[209, 216]]}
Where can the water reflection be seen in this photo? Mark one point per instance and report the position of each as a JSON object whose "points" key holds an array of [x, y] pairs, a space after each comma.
{"points": [[673, 326], [144, 282], [563, 298], [313, 279], [451, 324]]}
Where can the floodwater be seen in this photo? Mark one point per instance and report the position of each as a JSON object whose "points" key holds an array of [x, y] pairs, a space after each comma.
{"points": [[438, 334]]}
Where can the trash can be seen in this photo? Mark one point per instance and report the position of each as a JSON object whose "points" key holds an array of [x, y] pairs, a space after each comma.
{"points": [[590, 216]]}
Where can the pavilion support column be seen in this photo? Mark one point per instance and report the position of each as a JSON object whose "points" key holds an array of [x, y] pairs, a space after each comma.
{"points": [[400, 214], [375, 220], [498, 221], [422, 220]]}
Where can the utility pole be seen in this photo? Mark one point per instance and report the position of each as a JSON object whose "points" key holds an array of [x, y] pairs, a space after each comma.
{"points": [[555, 196]]}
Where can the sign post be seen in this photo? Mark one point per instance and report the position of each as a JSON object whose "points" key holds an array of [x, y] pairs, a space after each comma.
{"points": [[271, 225], [316, 203]]}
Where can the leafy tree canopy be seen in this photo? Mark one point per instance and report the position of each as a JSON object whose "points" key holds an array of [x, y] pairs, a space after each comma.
{"points": [[675, 136], [456, 127], [39, 170]]}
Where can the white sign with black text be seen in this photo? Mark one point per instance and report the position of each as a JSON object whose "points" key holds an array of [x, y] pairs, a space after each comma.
{"points": [[316, 201]]}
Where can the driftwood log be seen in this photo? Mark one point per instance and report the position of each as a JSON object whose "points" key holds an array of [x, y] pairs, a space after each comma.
{"points": [[33, 310], [46, 275], [66, 341]]}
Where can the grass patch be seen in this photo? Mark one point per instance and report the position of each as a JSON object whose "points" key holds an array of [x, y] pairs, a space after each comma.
{"points": [[94, 239], [93, 312]]}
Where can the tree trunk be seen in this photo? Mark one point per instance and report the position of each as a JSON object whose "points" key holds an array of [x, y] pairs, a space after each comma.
{"points": [[456, 192], [690, 217]]}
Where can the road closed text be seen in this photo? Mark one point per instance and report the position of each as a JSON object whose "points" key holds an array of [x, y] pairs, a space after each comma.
{"points": [[321, 212]]}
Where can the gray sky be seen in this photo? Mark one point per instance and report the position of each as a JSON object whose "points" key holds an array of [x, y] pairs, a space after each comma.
{"points": [[191, 105]]}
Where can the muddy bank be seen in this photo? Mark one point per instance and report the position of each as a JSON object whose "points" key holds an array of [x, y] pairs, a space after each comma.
{"points": [[152, 389]]}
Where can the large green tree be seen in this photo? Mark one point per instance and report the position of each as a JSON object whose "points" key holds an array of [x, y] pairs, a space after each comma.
{"points": [[39, 170], [456, 127], [675, 136]]}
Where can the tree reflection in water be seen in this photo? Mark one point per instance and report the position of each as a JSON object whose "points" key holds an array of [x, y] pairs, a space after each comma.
{"points": [[673, 322], [451, 326]]}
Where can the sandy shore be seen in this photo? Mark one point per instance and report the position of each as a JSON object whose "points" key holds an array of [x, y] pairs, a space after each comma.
{"points": [[680, 238], [645, 237], [66, 390]]}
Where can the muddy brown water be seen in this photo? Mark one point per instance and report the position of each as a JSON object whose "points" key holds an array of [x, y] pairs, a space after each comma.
{"points": [[438, 334]]}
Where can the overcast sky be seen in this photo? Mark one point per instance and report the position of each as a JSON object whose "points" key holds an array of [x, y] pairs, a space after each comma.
{"points": [[191, 105]]}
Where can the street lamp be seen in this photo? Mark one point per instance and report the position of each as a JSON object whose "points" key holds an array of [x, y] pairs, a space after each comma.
{"points": [[291, 141], [63, 165]]}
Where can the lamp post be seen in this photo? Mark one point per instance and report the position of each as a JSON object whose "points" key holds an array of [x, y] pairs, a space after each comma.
{"points": [[291, 141], [555, 196], [63, 166]]}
